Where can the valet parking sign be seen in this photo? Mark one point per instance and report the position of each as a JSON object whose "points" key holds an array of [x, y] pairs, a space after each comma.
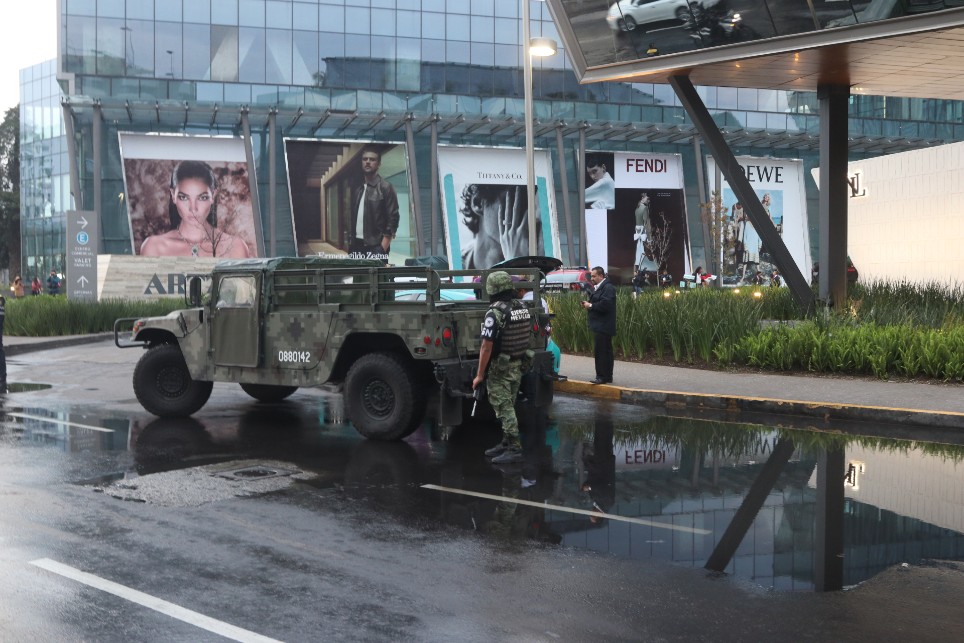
{"points": [[82, 236]]}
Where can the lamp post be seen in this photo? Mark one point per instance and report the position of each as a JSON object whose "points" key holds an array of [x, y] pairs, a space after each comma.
{"points": [[531, 47]]}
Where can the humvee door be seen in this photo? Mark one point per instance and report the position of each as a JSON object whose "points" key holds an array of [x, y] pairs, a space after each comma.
{"points": [[235, 327]]}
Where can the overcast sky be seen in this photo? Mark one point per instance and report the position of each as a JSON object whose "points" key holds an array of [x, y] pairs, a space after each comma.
{"points": [[28, 35]]}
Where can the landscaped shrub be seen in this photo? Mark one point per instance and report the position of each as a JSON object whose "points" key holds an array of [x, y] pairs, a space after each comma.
{"points": [[46, 316]]}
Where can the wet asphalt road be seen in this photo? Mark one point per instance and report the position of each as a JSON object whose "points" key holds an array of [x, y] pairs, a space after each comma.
{"points": [[154, 530]]}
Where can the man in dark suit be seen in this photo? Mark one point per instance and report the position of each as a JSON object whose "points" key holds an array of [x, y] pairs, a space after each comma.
{"points": [[601, 310]]}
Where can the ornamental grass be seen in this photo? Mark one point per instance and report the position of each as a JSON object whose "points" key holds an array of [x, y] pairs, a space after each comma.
{"points": [[47, 316], [884, 330]]}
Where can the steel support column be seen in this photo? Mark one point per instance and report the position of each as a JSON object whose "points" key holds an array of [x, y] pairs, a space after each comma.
{"points": [[72, 155], [750, 507], [435, 186], [413, 177], [581, 173], [833, 192], [828, 539], [98, 143], [272, 181], [564, 184], [252, 179], [761, 221]]}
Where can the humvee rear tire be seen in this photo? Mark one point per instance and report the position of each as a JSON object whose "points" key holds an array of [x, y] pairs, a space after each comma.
{"points": [[384, 401], [164, 386], [268, 392]]}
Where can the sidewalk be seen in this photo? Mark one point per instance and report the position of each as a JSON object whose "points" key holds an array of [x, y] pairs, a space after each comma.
{"points": [[822, 397]]}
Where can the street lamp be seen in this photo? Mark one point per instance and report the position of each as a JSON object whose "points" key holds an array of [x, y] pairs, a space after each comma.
{"points": [[531, 47]]}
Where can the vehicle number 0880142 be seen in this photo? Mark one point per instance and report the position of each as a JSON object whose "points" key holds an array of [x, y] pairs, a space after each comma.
{"points": [[298, 357]]}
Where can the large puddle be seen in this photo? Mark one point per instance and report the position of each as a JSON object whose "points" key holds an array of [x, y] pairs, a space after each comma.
{"points": [[787, 508]]}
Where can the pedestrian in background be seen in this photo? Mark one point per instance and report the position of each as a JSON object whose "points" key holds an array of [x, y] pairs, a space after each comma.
{"points": [[17, 287], [3, 354], [53, 283], [601, 314], [35, 286]]}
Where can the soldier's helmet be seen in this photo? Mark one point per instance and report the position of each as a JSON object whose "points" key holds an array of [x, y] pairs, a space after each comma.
{"points": [[497, 282]]}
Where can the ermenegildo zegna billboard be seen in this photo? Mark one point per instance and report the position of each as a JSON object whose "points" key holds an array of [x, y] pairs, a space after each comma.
{"points": [[602, 32], [188, 196], [636, 214], [350, 198]]}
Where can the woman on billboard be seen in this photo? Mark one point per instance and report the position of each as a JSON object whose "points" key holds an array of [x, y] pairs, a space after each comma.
{"points": [[193, 216]]}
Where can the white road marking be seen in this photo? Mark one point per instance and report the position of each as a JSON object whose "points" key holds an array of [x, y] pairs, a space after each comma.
{"points": [[572, 510], [170, 609], [56, 421]]}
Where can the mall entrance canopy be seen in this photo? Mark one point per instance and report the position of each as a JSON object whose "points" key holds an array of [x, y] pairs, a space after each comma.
{"points": [[906, 48]]}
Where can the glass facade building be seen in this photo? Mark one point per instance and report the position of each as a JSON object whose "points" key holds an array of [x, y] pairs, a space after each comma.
{"points": [[433, 71]]}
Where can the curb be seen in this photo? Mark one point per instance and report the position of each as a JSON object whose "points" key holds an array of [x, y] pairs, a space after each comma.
{"points": [[43, 344], [733, 404]]}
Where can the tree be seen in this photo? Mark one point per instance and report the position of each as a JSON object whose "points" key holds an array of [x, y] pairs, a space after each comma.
{"points": [[716, 242], [10, 190]]}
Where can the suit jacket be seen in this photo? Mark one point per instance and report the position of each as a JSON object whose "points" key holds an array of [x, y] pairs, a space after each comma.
{"points": [[602, 315], [381, 211]]}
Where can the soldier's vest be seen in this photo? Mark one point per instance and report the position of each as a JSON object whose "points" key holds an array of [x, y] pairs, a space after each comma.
{"points": [[516, 327]]}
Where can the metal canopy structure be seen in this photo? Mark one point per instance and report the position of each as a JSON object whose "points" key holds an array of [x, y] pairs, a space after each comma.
{"points": [[297, 121]]}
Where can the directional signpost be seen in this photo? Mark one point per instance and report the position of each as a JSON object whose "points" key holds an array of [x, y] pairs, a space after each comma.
{"points": [[82, 241]]}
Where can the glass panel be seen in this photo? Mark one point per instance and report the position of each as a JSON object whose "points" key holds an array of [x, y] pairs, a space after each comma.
{"points": [[140, 60], [278, 14], [357, 20], [225, 13], [457, 52], [409, 23], [224, 53], [433, 5], [197, 52], [484, 55], [331, 48], [82, 8], [508, 8], [108, 8], [305, 58], [305, 16], [433, 25], [456, 27], [251, 53], [168, 10], [483, 7], [210, 92], [746, 98], [167, 50], [79, 56], [140, 9], [234, 93], [507, 32], [331, 17], [251, 13], [197, 11], [483, 29], [278, 57], [111, 47], [383, 22]]}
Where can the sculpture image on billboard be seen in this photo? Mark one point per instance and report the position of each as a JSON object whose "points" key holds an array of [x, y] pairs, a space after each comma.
{"points": [[635, 213], [484, 196], [778, 183], [188, 196], [332, 182]]}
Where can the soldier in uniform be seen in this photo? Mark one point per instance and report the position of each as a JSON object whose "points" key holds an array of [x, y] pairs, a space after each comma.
{"points": [[505, 340]]}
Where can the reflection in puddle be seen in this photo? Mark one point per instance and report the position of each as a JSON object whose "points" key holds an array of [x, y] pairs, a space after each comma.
{"points": [[787, 508], [25, 387]]}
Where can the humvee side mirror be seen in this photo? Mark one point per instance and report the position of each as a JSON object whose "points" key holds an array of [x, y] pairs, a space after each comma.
{"points": [[194, 292]]}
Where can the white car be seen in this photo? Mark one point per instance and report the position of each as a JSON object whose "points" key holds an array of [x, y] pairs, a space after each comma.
{"points": [[625, 15]]}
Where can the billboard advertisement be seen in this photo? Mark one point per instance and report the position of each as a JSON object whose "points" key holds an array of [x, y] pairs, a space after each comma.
{"points": [[350, 199], [778, 183], [484, 199], [189, 196], [636, 215]]}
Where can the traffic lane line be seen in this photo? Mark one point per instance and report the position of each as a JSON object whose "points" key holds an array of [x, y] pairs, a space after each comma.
{"points": [[572, 510], [27, 416], [152, 602]]}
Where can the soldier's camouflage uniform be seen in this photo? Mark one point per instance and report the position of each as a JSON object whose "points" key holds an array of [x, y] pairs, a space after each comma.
{"points": [[505, 371]]}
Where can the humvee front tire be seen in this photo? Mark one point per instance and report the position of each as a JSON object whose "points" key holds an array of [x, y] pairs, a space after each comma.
{"points": [[164, 386], [268, 392], [383, 399]]}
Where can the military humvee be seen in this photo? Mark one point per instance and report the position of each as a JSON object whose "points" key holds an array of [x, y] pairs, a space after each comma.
{"points": [[274, 325]]}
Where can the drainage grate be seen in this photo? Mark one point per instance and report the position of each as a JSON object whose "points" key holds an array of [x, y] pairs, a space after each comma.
{"points": [[256, 472]]}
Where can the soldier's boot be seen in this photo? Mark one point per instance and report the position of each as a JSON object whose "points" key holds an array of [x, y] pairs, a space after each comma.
{"points": [[511, 455], [497, 450]]}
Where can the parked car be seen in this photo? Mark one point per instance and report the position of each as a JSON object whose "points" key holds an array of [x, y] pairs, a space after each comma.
{"points": [[576, 279], [625, 15]]}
